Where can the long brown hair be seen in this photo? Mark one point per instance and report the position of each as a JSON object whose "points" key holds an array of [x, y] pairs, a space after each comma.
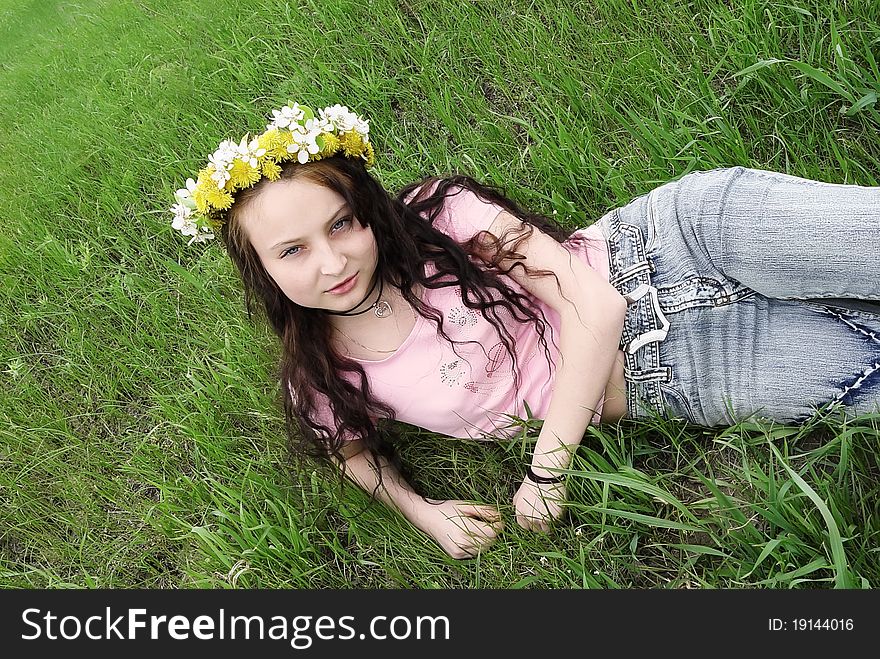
{"points": [[406, 239]]}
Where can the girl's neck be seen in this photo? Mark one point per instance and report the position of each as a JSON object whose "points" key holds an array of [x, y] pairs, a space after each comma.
{"points": [[369, 321], [368, 337]]}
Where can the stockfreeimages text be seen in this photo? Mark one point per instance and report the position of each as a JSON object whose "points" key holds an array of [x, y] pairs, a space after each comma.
{"points": [[301, 631]]}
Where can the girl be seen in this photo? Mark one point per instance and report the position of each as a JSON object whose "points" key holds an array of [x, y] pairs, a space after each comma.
{"points": [[725, 294]]}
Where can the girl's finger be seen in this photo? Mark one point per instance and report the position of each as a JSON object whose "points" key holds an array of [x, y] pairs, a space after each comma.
{"points": [[475, 544], [492, 530], [532, 524], [481, 511], [485, 529]]}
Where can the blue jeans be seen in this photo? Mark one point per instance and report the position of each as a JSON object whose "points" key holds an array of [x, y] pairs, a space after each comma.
{"points": [[751, 293]]}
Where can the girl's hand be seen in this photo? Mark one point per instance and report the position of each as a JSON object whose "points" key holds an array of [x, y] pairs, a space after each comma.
{"points": [[463, 529], [537, 506]]}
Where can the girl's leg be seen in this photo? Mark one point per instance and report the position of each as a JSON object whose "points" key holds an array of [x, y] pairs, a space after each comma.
{"points": [[786, 237], [723, 250], [777, 359]]}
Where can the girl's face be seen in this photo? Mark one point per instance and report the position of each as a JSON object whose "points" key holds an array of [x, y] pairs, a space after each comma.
{"points": [[310, 243]]}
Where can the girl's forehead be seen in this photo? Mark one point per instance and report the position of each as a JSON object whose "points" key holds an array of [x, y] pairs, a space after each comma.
{"points": [[289, 206], [294, 196]]}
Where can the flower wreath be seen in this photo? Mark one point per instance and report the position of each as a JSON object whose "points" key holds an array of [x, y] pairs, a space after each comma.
{"points": [[294, 133]]}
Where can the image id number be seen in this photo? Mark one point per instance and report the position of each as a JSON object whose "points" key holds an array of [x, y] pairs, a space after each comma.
{"points": [[810, 624]]}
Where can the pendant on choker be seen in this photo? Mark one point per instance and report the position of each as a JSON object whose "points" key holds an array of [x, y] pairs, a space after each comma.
{"points": [[383, 309]]}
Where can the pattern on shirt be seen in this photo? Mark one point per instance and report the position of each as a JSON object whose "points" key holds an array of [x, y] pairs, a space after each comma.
{"points": [[462, 316], [451, 372], [494, 371], [497, 358]]}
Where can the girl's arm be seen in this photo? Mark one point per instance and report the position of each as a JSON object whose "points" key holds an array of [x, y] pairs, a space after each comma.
{"points": [[588, 348], [588, 345], [462, 529], [591, 312]]}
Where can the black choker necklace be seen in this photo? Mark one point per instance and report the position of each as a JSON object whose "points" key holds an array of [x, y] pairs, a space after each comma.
{"points": [[382, 308]]}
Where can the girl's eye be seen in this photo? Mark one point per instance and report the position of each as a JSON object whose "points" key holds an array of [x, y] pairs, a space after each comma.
{"points": [[337, 227], [339, 223]]}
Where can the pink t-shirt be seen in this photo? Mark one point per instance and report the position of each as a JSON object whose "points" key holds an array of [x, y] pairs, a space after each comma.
{"points": [[472, 394]]}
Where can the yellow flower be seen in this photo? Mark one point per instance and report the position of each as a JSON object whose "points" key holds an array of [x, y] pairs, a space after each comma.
{"points": [[352, 144], [275, 143], [202, 204], [219, 199], [201, 200], [242, 174], [271, 170], [207, 195], [285, 138], [204, 186], [331, 144]]}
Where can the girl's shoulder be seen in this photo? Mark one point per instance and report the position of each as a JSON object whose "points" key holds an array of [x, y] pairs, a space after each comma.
{"points": [[463, 213], [421, 190]]}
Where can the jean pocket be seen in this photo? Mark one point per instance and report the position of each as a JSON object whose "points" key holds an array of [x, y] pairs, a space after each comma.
{"points": [[675, 403]]}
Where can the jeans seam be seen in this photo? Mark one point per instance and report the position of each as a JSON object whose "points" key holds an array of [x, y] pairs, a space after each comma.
{"points": [[681, 398], [722, 202], [856, 313], [869, 372], [870, 335]]}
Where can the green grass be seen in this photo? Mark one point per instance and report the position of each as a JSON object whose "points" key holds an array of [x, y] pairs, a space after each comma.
{"points": [[141, 439]]}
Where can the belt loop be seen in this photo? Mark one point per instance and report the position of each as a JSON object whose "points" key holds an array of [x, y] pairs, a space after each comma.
{"points": [[657, 335], [659, 374], [631, 272]]}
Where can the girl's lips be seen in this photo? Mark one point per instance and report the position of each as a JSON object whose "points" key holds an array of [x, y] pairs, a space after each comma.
{"points": [[345, 286]]}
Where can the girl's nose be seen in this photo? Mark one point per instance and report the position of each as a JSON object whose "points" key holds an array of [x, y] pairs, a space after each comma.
{"points": [[332, 262]]}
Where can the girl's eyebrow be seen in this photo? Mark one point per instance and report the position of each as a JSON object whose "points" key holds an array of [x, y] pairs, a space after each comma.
{"points": [[330, 221]]}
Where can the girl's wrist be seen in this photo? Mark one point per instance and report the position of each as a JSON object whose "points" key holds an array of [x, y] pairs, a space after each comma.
{"points": [[551, 455], [423, 514], [542, 476], [548, 463]]}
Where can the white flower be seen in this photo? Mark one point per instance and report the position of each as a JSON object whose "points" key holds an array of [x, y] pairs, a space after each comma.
{"points": [[225, 152], [303, 145], [286, 116], [183, 221], [184, 195], [186, 224], [255, 152], [248, 151], [543, 560], [220, 177], [315, 126], [202, 237], [325, 125], [181, 211], [340, 116], [222, 160]]}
